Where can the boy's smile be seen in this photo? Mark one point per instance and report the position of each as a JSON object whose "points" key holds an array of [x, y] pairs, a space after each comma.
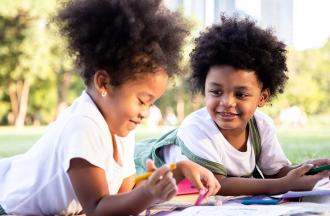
{"points": [[232, 96]]}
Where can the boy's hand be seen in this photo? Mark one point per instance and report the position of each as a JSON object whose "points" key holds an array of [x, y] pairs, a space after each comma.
{"points": [[318, 162], [296, 180], [161, 185], [199, 176]]}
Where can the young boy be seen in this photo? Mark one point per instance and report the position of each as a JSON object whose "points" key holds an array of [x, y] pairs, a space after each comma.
{"points": [[126, 51], [238, 67]]}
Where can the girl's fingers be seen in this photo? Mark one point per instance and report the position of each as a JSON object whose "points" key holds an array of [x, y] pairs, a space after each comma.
{"points": [[170, 190], [150, 165], [159, 174]]}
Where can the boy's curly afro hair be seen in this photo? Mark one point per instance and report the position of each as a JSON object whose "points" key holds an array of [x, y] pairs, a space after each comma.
{"points": [[123, 37], [238, 42]]}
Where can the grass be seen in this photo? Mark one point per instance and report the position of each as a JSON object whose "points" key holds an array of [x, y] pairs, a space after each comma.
{"points": [[299, 144]]}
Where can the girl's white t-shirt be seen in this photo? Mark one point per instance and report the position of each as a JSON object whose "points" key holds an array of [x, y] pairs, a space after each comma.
{"points": [[200, 134], [37, 182]]}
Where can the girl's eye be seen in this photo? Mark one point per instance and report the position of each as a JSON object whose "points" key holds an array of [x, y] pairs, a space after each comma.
{"points": [[141, 102]]}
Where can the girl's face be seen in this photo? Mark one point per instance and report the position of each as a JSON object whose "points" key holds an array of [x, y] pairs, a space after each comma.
{"points": [[232, 97], [125, 106]]}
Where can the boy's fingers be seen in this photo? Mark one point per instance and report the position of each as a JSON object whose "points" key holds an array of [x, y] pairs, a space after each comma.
{"points": [[324, 174], [320, 162], [304, 168]]}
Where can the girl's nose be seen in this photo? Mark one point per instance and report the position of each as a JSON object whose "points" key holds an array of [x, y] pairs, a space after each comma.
{"points": [[144, 113]]}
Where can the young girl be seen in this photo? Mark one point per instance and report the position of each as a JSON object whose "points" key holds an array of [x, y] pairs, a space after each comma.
{"points": [[238, 67], [126, 51]]}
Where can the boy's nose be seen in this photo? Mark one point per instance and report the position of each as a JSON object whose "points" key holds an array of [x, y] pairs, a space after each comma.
{"points": [[227, 101]]}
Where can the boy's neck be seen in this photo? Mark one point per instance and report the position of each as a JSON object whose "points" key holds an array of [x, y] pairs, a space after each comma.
{"points": [[237, 138]]}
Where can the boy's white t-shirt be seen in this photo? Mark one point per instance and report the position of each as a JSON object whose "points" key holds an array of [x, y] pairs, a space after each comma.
{"points": [[200, 134], [37, 182]]}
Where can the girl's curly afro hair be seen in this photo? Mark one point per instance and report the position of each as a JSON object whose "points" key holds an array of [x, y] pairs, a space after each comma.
{"points": [[238, 42], [123, 37]]}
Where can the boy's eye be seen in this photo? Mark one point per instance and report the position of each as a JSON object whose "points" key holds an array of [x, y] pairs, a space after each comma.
{"points": [[242, 95], [215, 92]]}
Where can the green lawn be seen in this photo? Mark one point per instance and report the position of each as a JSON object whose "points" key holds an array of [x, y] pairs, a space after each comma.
{"points": [[298, 144]]}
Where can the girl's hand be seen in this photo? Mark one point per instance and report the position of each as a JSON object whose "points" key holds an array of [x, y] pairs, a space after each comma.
{"points": [[296, 180], [161, 185], [199, 176]]}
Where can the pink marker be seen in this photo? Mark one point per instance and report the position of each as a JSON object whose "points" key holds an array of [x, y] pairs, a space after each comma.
{"points": [[201, 196]]}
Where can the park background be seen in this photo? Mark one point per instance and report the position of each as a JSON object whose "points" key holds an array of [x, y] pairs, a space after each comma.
{"points": [[38, 79]]}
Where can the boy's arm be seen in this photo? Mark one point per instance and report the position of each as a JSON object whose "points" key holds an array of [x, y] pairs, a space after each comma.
{"points": [[286, 169], [236, 186], [283, 171], [295, 180]]}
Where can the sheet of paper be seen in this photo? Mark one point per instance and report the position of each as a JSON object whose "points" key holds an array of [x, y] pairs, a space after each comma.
{"points": [[234, 210], [322, 188]]}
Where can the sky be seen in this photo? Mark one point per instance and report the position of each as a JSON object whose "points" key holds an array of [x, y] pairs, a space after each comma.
{"points": [[311, 20]]}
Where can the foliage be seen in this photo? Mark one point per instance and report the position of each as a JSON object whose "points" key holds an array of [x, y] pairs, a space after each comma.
{"points": [[309, 82], [33, 53]]}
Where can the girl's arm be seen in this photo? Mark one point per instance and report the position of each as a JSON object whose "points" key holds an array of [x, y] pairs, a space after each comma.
{"points": [[295, 180], [127, 184], [91, 188]]}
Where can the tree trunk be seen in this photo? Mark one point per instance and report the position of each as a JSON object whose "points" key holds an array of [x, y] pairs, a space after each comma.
{"points": [[180, 107], [13, 102], [63, 91], [23, 94]]}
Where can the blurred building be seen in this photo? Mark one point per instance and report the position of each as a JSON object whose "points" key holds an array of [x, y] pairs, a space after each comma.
{"points": [[278, 14], [299, 23], [206, 11]]}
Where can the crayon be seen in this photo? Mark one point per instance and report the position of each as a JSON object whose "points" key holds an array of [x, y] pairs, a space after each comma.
{"points": [[201, 197], [260, 201], [147, 174], [316, 170]]}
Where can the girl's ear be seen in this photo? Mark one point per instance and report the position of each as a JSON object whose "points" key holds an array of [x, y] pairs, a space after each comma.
{"points": [[101, 81], [264, 97]]}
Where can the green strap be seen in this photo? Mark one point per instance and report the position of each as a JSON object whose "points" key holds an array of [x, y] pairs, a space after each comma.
{"points": [[256, 142], [2, 211], [219, 168], [151, 149], [210, 165]]}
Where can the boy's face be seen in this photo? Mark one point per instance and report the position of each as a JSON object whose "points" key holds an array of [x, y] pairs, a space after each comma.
{"points": [[232, 97], [125, 106]]}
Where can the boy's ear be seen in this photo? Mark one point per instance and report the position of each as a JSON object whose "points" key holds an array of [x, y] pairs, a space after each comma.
{"points": [[101, 81], [264, 97]]}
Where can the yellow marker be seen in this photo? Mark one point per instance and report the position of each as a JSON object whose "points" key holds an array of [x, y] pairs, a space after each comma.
{"points": [[147, 174]]}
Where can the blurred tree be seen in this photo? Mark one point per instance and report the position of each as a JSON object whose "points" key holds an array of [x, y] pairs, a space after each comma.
{"points": [[35, 73], [309, 82], [178, 95], [14, 73]]}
